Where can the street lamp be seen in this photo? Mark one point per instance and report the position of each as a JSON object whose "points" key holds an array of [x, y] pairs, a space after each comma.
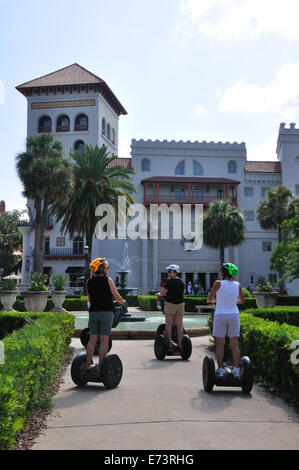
{"points": [[86, 268]]}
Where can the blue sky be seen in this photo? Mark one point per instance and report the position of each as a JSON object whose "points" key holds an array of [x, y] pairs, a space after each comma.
{"points": [[221, 70]]}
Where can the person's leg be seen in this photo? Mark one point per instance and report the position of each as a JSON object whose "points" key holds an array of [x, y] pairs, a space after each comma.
{"points": [[235, 350], [103, 349], [220, 351], [90, 348], [178, 321], [168, 327]]}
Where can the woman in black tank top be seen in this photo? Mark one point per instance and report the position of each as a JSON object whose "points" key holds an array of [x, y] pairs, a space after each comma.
{"points": [[101, 290]]}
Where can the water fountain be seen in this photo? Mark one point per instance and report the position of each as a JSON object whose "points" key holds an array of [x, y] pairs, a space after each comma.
{"points": [[121, 284]]}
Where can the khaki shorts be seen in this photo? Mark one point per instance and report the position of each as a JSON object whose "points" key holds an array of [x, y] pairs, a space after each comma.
{"points": [[173, 309]]}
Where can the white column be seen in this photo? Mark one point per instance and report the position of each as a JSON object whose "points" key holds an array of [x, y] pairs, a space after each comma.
{"points": [[155, 283], [25, 231], [144, 265], [207, 281]]}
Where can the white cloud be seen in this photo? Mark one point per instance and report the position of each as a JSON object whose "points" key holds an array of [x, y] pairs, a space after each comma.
{"points": [[200, 111], [280, 95], [264, 151], [238, 19], [2, 92]]}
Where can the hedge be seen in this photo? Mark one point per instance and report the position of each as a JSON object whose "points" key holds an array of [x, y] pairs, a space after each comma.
{"points": [[288, 315], [288, 300], [33, 354], [268, 344], [148, 302]]}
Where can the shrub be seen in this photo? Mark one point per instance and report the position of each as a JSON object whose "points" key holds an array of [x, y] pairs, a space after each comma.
{"points": [[288, 300], [148, 302], [246, 292], [59, 281], [33, 354], [37, 281], [9, 284], [288, 315]]}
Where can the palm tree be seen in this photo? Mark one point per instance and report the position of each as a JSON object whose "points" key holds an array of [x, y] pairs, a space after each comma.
{"points": [[223, 226], [95, 182], [46, 176], [273, 210]]}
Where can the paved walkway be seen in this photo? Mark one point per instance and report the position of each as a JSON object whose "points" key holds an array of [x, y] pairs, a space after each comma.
{"points": [[162, 405]]}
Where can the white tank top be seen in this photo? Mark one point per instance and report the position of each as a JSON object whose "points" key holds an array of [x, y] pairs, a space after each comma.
{"points": [[226, 297]]}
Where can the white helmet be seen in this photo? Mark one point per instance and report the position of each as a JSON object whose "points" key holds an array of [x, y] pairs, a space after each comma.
{"points": [[173, 267]]}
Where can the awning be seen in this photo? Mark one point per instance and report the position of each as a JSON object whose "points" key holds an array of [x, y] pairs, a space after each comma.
{"points": [[74, 269]]}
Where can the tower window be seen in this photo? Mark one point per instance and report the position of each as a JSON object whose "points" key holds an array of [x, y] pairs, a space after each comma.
{"points": [[81, 123], [197, 168], [79, 146], [232, 167], [180, 168], [63, 124], [145, 165], [45, 124]]}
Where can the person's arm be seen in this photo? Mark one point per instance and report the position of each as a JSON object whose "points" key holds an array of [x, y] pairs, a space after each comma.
{"points": [[216, 286], [115, 292], [241, 298]]}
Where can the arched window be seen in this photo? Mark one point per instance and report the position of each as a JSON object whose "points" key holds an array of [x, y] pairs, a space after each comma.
{"points": [[45, 124], [81, 123], [79, 145], [108, 131], [180, 168], [78, 246], [103, 126], [232, 167], [113, 136], [145, 165], [63, 124], [197, 168]]}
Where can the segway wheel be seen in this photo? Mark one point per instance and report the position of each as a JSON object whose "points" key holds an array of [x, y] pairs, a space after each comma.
{"points": [[78, 368], [111, 371], [186, 347], [246, 374], [160, 347], [208, 373], [174, 332]]}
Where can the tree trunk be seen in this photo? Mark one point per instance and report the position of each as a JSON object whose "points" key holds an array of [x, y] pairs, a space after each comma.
{"points": [[44, 215]]}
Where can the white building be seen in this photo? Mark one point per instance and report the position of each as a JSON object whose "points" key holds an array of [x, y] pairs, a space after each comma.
{"points": [[78, 107]]}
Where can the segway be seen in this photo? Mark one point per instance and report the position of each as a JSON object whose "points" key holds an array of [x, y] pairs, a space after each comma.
{"points": [[110, 376], [245, 381], [111, 366], [161, 346]]}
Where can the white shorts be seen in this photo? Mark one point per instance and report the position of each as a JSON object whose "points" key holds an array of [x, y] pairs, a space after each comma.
{"points": [[226, 324]]}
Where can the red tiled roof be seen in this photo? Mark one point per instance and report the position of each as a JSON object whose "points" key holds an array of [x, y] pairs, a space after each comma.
{"points": [[74, 74], [263, 167], [184, 179], [125, 162]]}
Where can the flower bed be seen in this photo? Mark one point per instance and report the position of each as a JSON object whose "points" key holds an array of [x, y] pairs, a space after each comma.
{"points": [[35, 346]]}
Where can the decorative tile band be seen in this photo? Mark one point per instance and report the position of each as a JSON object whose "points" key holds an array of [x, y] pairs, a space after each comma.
{"points": [[63, 104]]}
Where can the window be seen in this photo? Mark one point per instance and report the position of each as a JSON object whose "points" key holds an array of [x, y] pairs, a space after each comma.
{"points": [[81, 123], [264, 191], [272, 278], [79, 146], [232, 167], [179, 192], [113, 136], [60, 241], [45, 124], [297, 160], [297, 189], [103, 126], [78, 246], [63, 124], [197, 169], [249, 215], [108, 131], [47, 245], [180, 168], [267, 246], [145, 165], [197, 193], [220, 193], [248, 191]]}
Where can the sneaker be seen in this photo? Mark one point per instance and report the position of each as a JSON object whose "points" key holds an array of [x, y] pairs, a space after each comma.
{"points": [[219, 372], [236, 372], [93, 370]]}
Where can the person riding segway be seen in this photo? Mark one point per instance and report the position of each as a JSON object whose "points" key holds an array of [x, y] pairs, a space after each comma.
{"points": [[226, 321]]}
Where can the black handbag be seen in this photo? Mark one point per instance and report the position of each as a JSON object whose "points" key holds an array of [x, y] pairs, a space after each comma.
{"points": [[117, 310]]}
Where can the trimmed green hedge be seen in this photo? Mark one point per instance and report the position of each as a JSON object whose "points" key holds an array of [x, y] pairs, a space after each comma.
{"points": [[148, 302], [33, 354], [288, 300], [288, 315]]}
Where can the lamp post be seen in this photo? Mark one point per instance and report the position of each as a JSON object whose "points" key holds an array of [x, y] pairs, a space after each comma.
{"points": [[86, 268]]}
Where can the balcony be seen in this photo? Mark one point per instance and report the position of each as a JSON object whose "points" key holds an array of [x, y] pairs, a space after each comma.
{"points": [[63, 253], [81, 127], [62, 128], [44, 129], [189, 190]]}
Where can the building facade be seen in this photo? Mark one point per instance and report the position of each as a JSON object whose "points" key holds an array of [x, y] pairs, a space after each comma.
{"points": [[77, 107]]}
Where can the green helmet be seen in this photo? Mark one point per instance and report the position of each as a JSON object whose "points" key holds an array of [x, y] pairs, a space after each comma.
{"points": [[230, 269]]}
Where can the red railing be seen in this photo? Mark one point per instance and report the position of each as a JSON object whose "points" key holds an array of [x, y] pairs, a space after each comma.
{"points": [[81, 127], [44, 129], [62, 128]]}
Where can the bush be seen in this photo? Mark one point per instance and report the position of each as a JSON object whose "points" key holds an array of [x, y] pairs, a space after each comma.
{"points": [[9, 284], [288, 315], [33, 354], [148, 302], [59, 281], [288, 300]]}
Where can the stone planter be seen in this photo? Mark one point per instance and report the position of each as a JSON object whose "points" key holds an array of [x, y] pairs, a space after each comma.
{"points": [[265, 299], [35, 301], [8, 298], [58, 297]]}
